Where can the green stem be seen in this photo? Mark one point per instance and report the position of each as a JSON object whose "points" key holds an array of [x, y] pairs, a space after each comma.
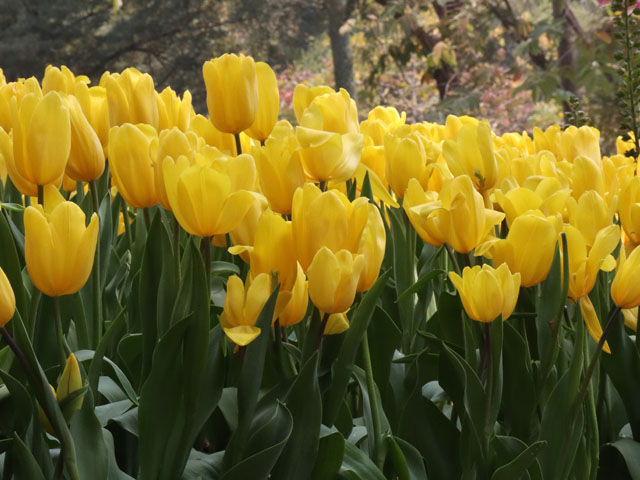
{"points": [[323, 185], [125, 218], [323, 325], [452, 257], [62, 354], [176, 245], [373, 403], [41, 195], [592, 425], [238, 144], [147, 218], [95, 277], [205, 249], [79, 191]]}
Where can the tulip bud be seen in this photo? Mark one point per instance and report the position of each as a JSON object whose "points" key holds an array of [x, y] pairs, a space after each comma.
{"points": [[70, 382], [232, 92], [131, 98], [93, 101], [173, 111], [486, 292], [268, 103], [7, 300], [242, 306], [86, 157]]}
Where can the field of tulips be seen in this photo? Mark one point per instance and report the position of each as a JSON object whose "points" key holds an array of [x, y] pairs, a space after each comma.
{"points": [[233, 297]]}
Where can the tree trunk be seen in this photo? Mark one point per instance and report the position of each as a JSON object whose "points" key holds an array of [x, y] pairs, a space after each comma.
{"points": [[340, 46], [566, 50]]}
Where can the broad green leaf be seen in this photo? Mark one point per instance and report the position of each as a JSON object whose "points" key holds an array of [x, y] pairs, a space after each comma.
{"points": [[25, 465], [92, 454], [356, 462], [329, 458], [620, 459], [519, 465], [21, 410], [10, 263]]}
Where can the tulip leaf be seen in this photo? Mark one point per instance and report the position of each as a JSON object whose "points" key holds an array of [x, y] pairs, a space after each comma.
{"points": [[91, 451], [621, 459], [21, 410], [330, 455], [343, 366], [96, 362], [25, 465], [14, 207], [356, 464], [384, 338], [304, 401], [10, 264], [413, 466], [422, 282], [516, 467], [264, 446]]}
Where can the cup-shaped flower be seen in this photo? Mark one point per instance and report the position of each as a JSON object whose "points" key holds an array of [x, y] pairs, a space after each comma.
{"points": [[242, 306], [41, 137], [529, 247], [93, 101], [279, 168], [415, 196], [629, 209], [328, 156], [380, 121], [245, 231], [225, 142], [7, 300], [406, 159], [303, 96], [590, 214], [372, 245], [131, 98], [61, 80], [86, 157], [232, 92], [583, 141], [333, 279], [326, 219], [202, 197], [59, 249], [291, 305], [472, 154], [486, 292], [172, 143], [459, 216], [70, 382], [625, 288], [332, 112], [174, 111], [268, 103], [132, 151]]}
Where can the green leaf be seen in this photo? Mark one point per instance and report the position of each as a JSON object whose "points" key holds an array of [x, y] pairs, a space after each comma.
{"points": [[357, 462], [10, 263], [422, 282], [620, 459], [384, 338], [343, 365], [305, 404], [415, 462], [21, 404], [92, 456], [329, 458], [25, 466], [519, 465]]}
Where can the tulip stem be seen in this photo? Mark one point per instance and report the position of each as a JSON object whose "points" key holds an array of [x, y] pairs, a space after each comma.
{"points": [[62, 357], [41, 195], [238, 144], [147, 218], [323, 325], [373, 403], [176, 245], [205, 248], [125, 218], [323, 185], [594, 360], [95, 278], [452, 257]]}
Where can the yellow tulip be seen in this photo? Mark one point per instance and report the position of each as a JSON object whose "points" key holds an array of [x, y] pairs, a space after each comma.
{"points": [[303, 96], [132, 150], [326, 219], [486, 292], [268, 103], [292, 304], [406, 158], [174, 111], [86, 158], [94, 105], [59, 248], [472, 154], [413, 197], [242, 306], [372, 246], [214, 137], [70, 381], [333, 279], [203, 199], [279, 168], [172, 143], [244, 232], [458, 217], [585, 174], [629, 209], [232, 92], [332, 112], [529, 247], [6, 151], [61, 80], [380, 121], [41, 137], [328, 156], [625, 288], [583, 141], [591, 321], [7, 300], [590, 214], [131, 98]]}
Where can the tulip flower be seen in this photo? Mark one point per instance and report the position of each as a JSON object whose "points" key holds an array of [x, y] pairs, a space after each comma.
{"points": [[244, 232], [406, 159], [326, 219], [268, 103], [41, 137], [529, 247], [132, 150], [70, 382], [174, 111], [242, 306], [303, 96], [486, 292], [583, 141], [458, 217], [86, 158], [472, 154], [372, 246], [380, 121], [7, 300], [332, 112], [232, 92], [590, 214], [59, 248], [203, 199], [93, 101], [629, 209], [172, 143], [333, 279], [131, 98], [625, 288], [415, 196], [279, 168], [225, 142], [61, 80]]}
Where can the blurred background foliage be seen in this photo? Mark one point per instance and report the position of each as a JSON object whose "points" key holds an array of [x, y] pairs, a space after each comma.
{"points": [[514, 62]]}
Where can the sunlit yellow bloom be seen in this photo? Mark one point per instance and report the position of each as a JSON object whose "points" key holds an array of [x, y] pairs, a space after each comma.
{"points": [[337, 323], [268, 103], [454, 123], [590, 318], [629, 209], [132, 151], [529, 247], [86, 158], [333, 278], [303, 96], [174, 111], [232, 92], [41, 137], [372, 246], [590, 214], [586, 174], [328, 156], [583, 141], [131, 98], [94, 105], [61, 80], [459, 216], [244, 232], [548, 140], [413, 197], [631, 318], [59, 248], [6, 151], [625, 288], [7, 300], [332, 112], [292, 304], [242, 306], [380, 121], [279, 168], [486, 292]]}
